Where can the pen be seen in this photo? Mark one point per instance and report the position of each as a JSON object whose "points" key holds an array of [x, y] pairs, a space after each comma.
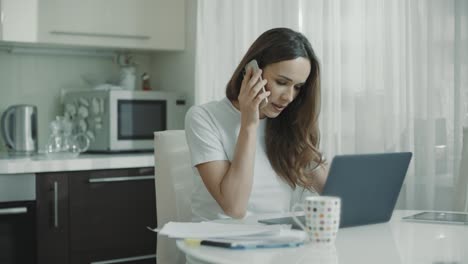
{"points": [[247, 245], [198, 242], [195, 242]]}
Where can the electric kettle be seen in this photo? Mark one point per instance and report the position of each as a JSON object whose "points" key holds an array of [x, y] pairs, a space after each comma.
{"points": [[19, 128]]}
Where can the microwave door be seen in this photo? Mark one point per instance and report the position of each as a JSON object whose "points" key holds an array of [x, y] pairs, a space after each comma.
{"points": [[137, 120]]}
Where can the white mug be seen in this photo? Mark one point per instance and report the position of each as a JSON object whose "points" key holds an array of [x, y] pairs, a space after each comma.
{"points": [[322, 218]]}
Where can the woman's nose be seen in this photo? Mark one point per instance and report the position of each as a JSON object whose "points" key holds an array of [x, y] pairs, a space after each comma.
{"points": [[288, 94]]}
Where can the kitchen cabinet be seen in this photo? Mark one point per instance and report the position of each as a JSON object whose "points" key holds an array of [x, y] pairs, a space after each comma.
{"points": [[138, 24], [52, 218], [128, 24], [18, 20], [17, 218], [99, 215]]}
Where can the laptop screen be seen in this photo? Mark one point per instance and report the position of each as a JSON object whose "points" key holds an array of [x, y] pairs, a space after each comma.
{"points": [[368, 185]]}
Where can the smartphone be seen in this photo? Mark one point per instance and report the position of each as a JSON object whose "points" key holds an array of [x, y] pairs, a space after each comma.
{"points": [[254, 65]]}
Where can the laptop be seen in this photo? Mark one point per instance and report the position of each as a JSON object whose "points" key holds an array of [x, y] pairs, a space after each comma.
{"points": [[368, 185]]}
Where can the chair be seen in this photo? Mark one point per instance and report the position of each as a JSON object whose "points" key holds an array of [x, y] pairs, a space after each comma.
{"points": [[462, 181], [174, 184]]}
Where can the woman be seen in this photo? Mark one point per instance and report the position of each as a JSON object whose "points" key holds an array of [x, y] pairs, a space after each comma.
{"points": [[250, 159]]}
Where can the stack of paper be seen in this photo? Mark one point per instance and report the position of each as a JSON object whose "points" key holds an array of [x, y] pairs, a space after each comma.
{"points": [[212, 230], [234, 236]]}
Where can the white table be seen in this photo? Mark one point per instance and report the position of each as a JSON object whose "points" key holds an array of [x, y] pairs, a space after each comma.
{"points": [[394, 242]]}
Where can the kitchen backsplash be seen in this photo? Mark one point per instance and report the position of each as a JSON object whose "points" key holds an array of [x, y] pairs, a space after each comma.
{"points": [[38, 80]]}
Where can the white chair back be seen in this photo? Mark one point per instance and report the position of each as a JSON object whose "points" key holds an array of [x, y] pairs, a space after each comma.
{"points": [[174, 184]]}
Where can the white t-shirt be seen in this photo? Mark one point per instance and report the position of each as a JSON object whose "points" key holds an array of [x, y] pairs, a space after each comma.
{"points": [[212, 131]]}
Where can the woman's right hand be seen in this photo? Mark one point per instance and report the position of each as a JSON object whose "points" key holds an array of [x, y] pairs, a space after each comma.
{"points": [[250, 97]]}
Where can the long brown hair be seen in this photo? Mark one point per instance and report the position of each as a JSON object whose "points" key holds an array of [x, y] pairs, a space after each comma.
{"points": [[292, 138]]}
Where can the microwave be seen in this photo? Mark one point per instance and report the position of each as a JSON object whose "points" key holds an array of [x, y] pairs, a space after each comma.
{"points": [[123, 120]]}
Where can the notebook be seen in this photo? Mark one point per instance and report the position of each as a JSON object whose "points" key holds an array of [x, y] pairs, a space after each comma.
{"points": [[368, 185]]}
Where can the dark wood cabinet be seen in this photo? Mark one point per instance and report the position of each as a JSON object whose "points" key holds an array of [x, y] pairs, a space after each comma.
{"points": [[52, 218], [102, 216]]}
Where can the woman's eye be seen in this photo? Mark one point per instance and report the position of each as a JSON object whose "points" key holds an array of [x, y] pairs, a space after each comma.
{"points": [[298, 87], [281, 82]]}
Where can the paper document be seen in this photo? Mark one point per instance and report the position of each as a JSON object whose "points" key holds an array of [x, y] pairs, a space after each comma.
{"points": [[216, 230], [286, 238]]}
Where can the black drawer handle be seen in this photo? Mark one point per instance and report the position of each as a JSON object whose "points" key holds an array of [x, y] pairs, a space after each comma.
{"points": [[13, 210], [121, 179]]}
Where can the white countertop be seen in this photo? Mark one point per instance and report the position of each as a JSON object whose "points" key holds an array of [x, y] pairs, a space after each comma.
{"points": [[41, 163], [394, 242]]}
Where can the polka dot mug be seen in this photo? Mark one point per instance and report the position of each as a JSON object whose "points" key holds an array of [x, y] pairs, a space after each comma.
{"points": [[322, 218]]}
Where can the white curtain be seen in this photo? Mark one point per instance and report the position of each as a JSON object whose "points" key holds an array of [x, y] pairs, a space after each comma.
{"points": [[394, 77]]}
